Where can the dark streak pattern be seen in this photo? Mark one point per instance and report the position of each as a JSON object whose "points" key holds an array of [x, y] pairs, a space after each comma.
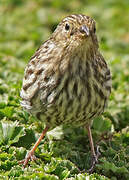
{"points": [[39, 71], [26, 86], [98, 91]]}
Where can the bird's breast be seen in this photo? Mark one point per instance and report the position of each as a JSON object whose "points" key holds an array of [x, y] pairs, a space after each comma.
{"points": [[76, 96]]}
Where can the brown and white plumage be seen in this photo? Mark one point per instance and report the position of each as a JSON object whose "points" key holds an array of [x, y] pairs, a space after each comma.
{"points": [[67, 81]]}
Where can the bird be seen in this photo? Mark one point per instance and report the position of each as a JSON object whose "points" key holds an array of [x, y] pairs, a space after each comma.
{"points": [[67, 81]]}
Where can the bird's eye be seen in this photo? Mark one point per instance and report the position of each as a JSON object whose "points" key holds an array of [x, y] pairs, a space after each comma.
{"points": [[94, 29], [67, 27]]}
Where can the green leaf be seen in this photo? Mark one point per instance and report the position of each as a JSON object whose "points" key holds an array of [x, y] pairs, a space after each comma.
{"points": [[102, 124], [85, 176], [8, 111], [56, 133], [110, 166], [10, 132]]}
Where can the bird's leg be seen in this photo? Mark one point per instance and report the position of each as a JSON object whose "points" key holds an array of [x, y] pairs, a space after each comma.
{"points": [[94, 156], [91, 140], [31, 153]]}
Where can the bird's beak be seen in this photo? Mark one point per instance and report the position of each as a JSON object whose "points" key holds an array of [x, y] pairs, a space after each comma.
{"points": [[84, 29]]}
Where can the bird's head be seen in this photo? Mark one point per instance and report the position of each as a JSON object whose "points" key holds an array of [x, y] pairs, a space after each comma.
{"points": [[75, 31]]}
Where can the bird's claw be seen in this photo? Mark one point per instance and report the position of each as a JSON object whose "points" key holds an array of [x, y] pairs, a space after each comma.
{"points": [[30, 156], [94, 160]]}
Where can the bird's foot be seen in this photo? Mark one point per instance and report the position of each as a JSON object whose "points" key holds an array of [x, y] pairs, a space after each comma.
{"points": [[30, 156], [94, 160]]}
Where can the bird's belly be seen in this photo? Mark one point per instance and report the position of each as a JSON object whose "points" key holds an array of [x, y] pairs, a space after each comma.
{"points": [[75, 105]]}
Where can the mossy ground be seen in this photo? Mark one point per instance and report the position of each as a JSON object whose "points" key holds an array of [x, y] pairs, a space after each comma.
{"points": [[64, 152]]}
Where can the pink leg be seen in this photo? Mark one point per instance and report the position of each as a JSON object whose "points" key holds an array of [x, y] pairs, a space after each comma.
{"points": [[31, 153], [94, 156], [91, 140]]}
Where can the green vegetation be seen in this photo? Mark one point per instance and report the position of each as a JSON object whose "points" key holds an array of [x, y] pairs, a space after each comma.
{"points": [[64, 152]]}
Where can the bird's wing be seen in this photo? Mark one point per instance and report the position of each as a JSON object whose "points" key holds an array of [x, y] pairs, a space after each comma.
{"points": [[39, 76]]}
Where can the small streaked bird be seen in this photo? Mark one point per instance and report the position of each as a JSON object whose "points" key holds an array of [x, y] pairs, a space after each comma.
{"points": [[67, 80]]}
